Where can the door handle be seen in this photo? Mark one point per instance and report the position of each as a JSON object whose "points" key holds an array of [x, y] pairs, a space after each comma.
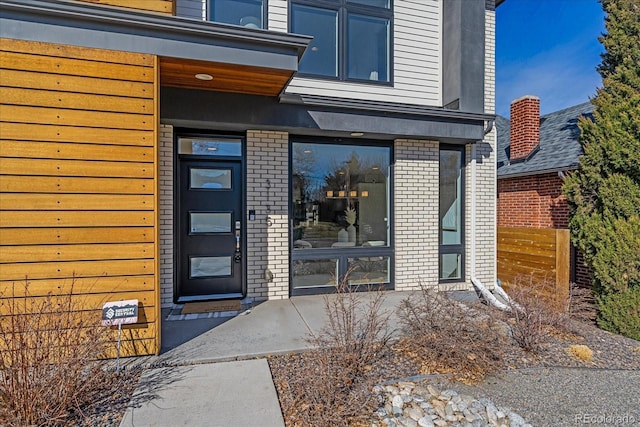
{"points": [[237, 256]]}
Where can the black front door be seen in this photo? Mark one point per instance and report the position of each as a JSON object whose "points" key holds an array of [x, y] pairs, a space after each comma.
{"points": [[210, 224]]}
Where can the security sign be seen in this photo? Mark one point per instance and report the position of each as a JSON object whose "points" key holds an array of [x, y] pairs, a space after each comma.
{"points": [[120, 312]]}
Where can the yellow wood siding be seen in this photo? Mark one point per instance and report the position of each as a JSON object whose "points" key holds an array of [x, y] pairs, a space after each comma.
{"points": [[78, 178], [161, 6]]}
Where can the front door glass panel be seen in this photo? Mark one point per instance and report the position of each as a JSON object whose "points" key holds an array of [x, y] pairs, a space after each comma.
{"points": [[209, 266], [210, 222], [216, 147], [211, 179]]}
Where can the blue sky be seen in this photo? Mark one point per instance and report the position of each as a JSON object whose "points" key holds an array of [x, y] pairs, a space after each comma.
{"points": [[547, 48]]}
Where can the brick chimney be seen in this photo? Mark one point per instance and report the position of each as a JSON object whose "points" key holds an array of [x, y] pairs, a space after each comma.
{"points": [[525, 126]]}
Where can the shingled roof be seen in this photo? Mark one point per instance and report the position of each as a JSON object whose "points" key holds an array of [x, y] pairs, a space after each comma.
{"points": [[559, 147]]}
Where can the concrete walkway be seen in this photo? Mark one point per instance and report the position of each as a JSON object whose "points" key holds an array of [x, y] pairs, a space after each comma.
{"points": [[192, 390]]}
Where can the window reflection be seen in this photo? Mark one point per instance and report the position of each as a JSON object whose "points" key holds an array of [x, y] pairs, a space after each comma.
{"points": [[247, 13], [340, 196], [451, 214]]}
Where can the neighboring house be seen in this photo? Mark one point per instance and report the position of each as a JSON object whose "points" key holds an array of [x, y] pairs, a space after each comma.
{"points": [[188, 150], [534, 154]]}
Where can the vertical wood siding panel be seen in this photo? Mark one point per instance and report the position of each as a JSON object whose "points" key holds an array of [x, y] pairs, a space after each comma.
{"points": [[89, 218]]}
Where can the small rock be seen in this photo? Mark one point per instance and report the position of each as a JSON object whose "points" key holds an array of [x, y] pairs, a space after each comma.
{"points": [[381, 413], [426, 422], [406, 384], [408, 422], [491, 416], [414, 413], [441, 423], [433, 391], [449, 393], [516, 420], [390, 422], [391, 389], [397, 401]]}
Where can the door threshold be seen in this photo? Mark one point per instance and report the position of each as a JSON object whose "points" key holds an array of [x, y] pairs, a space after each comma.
{"points": [[213, 297]]}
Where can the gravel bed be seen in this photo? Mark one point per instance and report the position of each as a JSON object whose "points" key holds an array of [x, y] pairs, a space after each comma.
{"points": [[563, 396]]}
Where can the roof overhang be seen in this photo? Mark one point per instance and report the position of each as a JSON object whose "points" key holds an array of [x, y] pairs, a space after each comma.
{"points": [[320, 116], [536, 172], [240, 59]]}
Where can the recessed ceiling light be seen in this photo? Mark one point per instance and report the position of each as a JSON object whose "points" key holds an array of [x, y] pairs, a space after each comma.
{"points": [[203, 76], [357, 134]]}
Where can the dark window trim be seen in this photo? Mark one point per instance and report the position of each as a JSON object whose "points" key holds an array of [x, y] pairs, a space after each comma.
{"points": [[342, 254], [343, 7], [199, 133], [265, 14], [457, 248]]}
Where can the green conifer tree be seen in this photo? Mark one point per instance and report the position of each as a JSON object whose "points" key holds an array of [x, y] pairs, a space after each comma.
{"points": [[604, 194]]}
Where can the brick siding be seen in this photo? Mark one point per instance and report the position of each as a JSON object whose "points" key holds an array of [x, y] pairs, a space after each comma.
{"points": [[532, 201], [165, 158], [416, 213], [268, 193]]}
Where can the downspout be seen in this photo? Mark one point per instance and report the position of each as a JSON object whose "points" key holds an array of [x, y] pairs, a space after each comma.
{"points": [[486, 294]]}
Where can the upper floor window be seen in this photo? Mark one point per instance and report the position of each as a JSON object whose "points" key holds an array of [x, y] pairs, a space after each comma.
{"points": [[246, 13], [351, 38]]}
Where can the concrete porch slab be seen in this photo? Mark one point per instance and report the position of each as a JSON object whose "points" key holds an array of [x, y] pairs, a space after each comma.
{"points": [[268, 328]]}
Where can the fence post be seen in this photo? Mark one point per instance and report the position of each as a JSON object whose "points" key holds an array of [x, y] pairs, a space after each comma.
{"points": [[563, 264]]}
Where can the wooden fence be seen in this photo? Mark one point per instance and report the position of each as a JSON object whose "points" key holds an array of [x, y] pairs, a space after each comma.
{"points": [[530, 255]]}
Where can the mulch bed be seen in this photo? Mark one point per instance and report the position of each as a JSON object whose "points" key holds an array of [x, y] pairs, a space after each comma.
{"points": [[106, 404]]}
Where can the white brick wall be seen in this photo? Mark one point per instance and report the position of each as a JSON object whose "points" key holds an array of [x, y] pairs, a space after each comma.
{"points": [[416, 213], [486, 167], [166, 215], [268, 194]]}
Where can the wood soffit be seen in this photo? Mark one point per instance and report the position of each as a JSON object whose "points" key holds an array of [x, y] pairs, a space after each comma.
{"points": [[180, 73]]}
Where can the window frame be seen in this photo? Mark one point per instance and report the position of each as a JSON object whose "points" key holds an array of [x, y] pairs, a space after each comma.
{"points": [[265, 14], [458, 248], [343, 8], [341, 254]]}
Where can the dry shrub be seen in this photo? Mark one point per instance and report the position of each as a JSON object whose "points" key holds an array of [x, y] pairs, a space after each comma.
{"points": [[580, 352], [47, 351], [581, 304], [447, 336], [331, 385], [535, 314]]}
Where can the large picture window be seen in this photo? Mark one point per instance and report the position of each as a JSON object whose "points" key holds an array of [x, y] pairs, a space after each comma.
{"points": [[340, 204], [351, 38], [246, 13], [451, 214]]}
